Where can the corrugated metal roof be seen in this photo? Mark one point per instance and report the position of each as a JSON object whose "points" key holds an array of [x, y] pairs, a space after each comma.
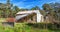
{"points": [[20, 16], [26, 13]]}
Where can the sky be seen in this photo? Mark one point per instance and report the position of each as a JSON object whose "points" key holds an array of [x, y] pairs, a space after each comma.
{"points": [[29, 3]]}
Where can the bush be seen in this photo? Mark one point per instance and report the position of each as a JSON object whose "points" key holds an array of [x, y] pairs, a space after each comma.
{"points": [[43, 25]]}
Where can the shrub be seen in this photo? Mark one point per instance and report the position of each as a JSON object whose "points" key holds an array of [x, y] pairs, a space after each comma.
{"points": [[43, 25]]}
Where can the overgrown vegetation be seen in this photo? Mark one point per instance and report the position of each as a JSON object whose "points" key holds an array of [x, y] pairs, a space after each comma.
{"points": [[52, 11], [36, 27], [29, 27], [6, 28]]}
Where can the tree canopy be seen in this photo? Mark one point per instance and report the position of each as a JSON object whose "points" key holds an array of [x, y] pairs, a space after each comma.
{"points": [[8, 9]]}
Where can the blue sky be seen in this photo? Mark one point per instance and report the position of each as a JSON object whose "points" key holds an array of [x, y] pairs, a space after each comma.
{"points": [[29, 3]]}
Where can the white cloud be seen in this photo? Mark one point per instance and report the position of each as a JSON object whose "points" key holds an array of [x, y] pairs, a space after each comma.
{"points": [[19, 3], [22, 4]]}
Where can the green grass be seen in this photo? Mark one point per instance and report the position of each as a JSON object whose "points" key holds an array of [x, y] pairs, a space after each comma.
{"points": [[6, 29], [22, 27], [2, 19]]}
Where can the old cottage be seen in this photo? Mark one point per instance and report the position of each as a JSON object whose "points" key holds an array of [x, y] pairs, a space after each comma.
{"points": [[29, 16]]}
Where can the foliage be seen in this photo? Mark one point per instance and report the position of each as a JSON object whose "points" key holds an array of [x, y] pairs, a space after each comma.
{"points": [[6, 29], [44, 25], [28, 27], [52, 10], [36, 27], [35, 8], [2, 19]]}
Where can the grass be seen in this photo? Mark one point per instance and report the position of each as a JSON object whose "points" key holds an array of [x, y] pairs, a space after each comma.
{"points": [[6, 29], [2, 19], [22, 27], [3, 28]]}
